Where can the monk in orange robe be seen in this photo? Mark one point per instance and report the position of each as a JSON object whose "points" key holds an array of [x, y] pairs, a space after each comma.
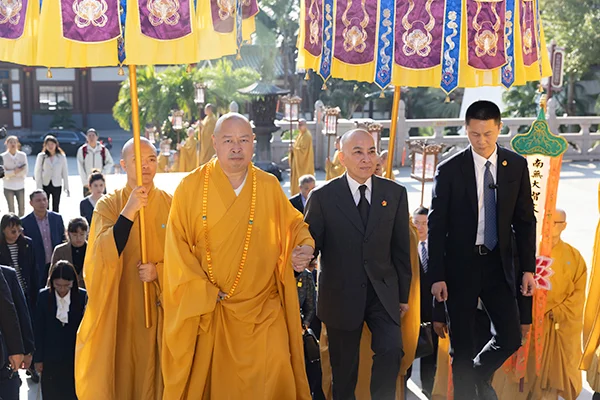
{"points": [[117, 357], [302, 159], [207, 127], [334, 168], [563, 322], [188, 152], [232, 319]]}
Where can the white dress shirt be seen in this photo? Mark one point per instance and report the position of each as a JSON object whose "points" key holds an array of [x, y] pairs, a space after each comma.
{"points": [[62, 307], [479, 172], [356, 192]]}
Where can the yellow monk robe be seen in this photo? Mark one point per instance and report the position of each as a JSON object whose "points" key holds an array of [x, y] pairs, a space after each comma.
{"points": [[442, 385], [334, 168], [559, 374], [591, 328], [206, 144], [188, 155], [384, 174], [250, 345], [410, 326], [302, 160], [116, 357], [163, 163]]}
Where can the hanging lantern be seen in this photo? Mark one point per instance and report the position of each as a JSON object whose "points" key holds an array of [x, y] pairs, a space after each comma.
{"points": [[425, 158], [292, 107], [375, 129], [331, 120], [199, 93], [177, 119]]}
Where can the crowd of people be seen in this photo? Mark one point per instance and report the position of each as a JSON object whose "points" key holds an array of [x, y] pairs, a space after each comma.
{"points": [[238, 284]]}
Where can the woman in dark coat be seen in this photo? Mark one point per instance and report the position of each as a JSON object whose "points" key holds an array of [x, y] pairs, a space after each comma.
{"points": [[59, 312], [16, 251]]}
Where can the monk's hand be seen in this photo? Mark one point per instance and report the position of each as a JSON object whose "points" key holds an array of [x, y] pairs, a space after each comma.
{"points": [[528, 284], [440, 291], [301, 257], [147, 272], [137, 199], [440, 329], [403, 309]]}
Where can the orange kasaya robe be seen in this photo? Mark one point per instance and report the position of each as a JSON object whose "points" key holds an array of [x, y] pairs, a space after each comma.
{"points": [[590, 361], [188, 155], [206, 144], [250, 345], [410, 326], [334, 168], [302, 160], [559, 373], [116, 356]]}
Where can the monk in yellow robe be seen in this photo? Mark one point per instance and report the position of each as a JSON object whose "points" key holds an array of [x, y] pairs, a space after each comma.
{"points": [[590, 361], [163, 155], [117, 357], [232, 317], [384, 160], [563, 323], [302, 159], [334, 168], [207, 127], [188, 152]]}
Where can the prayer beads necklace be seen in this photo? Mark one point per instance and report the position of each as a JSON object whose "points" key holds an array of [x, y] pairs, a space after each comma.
{"points": [[248, 231]]}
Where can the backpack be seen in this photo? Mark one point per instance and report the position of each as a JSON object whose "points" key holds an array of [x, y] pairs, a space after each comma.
{"points": [[84, 150]]}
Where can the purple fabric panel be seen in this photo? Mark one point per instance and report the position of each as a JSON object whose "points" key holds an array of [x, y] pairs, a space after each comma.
{"points": [[12, 18], [355, 28], [313, 26], [165, 19], [486, 34], [223, 12], [90, 21]]}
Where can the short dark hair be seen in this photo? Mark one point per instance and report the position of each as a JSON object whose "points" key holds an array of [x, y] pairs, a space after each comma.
{"points": [[8, 220], [36, 191], [421, 211], [96, 175], [77, 223], [483, 110]]}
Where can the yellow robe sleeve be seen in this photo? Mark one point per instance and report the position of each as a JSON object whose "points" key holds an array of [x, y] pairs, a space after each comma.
{"points": [[96, 339], [187, 294], [571, 308]]}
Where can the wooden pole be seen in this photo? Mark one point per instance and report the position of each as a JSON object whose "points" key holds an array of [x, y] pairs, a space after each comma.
{"points": [[135, 120], [392, 142]]}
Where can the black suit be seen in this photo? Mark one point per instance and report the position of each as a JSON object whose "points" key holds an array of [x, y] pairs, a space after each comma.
{"points": [[365, 275], [297, 202], [453, 223], [29, 271], [55, 344]]}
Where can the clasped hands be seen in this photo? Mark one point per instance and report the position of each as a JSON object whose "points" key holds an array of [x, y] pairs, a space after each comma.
{"points": [[301, 257], [19, 361]]}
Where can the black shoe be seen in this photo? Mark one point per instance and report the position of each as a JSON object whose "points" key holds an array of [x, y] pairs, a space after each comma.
{"points": [[485, 391], [35, 377]]}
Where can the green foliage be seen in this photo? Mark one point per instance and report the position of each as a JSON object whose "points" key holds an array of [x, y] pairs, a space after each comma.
{"points": [[522, 101], [159, 93], [349, 96]]}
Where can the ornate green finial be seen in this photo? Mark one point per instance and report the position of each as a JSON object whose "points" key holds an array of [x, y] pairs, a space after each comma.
{"points": [[539, 140]]}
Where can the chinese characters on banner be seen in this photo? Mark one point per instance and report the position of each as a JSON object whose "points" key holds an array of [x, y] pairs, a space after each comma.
{"points": [[539, 172]]}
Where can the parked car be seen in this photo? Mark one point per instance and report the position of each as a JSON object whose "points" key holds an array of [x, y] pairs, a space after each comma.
{"points": [[70, 141]]}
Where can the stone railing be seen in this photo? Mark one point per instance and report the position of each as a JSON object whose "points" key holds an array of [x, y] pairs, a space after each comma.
{"points": [[582, 133]]}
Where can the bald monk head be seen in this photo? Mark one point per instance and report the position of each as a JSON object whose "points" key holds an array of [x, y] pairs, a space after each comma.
{"points": [[233, 140], [559, 223], [358, 154], [191, 132], [149, 162]]}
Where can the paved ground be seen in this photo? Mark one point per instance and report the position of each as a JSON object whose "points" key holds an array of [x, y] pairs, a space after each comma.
{"points": [[578, 193]]}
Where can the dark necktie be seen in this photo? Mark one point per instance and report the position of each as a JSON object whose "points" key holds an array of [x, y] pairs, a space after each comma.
{"points": [[424, 257], [490, 231], [363, 205]]}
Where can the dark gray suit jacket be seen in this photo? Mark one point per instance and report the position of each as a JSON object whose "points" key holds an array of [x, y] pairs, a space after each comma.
{"points": [[351, 254]]}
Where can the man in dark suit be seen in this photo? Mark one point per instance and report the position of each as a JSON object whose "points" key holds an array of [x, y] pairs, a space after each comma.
{"points": [[46, 229], [306, 183], [10, 288], [479, 197], [360, 226]]}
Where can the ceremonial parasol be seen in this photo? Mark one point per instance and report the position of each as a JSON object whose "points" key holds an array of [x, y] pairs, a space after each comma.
{"points": [[98, 33], [423, 43]]}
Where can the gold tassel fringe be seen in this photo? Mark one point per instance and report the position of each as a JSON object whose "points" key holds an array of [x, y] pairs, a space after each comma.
{"points": [[49, 74]]}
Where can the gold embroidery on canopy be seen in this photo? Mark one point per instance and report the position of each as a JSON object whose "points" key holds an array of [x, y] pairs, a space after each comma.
{"points": [[486, 40], [314, 22], [527, 29], [10, 11], [90, 12], [355, 37], [416, 41], [163, 12], [226, 9]]}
